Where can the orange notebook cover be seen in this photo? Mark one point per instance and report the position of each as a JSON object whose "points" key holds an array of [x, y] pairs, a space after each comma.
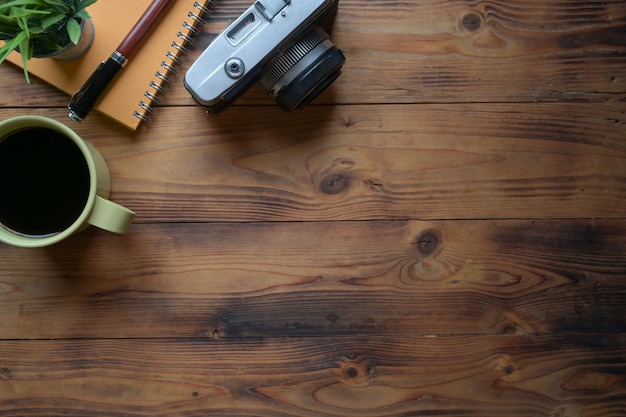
{"points": [[129, 98]]}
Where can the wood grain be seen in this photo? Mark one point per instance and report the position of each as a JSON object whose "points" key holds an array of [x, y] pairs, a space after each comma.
{"points": [[376, 376], [442, 233], [311, 279], [443, 51], [369, 162]]}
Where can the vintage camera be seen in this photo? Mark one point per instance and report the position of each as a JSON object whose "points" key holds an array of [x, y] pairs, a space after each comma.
{"points": [[278, 43]]}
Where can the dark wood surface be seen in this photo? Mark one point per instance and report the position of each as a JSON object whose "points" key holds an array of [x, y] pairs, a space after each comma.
{"points": [[442, 233]]}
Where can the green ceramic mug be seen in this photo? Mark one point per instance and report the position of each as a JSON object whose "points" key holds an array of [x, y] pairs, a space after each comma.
{"points": [[52, 184]]}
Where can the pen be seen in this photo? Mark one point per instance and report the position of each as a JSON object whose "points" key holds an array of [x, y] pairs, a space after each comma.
{"points": [[84, 100]]}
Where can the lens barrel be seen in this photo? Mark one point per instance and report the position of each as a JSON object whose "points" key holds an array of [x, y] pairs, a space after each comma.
{"points": [[303, 71]]}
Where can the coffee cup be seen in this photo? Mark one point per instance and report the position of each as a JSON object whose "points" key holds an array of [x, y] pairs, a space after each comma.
{"points": [[53, 184]]}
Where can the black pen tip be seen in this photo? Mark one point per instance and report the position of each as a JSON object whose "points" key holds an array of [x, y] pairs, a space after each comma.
{"points": [[75, 117]]}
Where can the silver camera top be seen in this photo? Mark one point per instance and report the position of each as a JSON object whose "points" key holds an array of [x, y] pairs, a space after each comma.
{"points": [[261, 37]]}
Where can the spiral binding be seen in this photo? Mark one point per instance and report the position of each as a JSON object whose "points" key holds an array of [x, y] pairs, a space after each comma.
{"points": [[196, 18]]}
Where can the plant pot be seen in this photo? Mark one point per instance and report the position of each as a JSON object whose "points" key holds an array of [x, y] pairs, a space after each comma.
{"points": [[70, 51]]}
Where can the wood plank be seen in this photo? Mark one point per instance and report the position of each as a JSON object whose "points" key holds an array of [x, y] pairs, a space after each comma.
{"points": [[312, 279], [444, 51], [548, 375], [447, 239], [553, 160]]}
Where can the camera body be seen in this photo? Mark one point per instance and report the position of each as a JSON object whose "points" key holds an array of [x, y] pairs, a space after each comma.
{"points": [[278, 43]]}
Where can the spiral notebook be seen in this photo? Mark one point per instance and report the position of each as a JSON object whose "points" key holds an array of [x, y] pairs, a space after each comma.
{"points": [[130, 98]]}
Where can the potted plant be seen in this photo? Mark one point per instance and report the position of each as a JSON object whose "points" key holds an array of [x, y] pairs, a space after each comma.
{"points": [[44, 28]]}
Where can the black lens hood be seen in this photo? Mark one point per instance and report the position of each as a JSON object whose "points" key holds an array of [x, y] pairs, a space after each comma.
{"points": [[312, 81]]}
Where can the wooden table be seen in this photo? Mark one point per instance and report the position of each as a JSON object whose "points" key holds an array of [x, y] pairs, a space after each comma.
{"points": [[442, 233]]}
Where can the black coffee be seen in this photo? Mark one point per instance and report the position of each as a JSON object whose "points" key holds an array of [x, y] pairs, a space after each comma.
{"points": [[44, 181]]}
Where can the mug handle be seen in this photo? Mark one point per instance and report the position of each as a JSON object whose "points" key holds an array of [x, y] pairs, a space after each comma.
{"points": [[110, 216]]}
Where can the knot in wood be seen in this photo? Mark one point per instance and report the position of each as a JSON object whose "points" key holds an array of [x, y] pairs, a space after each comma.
{"points": [[358, 373], [471, 22], [334, 184], [428, 242]]}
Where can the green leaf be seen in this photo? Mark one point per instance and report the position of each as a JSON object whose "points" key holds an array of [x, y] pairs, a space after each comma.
{"points": [[8, 47], [51, 20], [22, 3], [16, 13], [82, 14], [23, 21], [26, 51], [83, 4], [23, 24], [60, 5], [73, 29]]}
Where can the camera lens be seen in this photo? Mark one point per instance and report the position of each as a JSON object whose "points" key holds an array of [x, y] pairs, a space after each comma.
{"points": [[303, 71]]}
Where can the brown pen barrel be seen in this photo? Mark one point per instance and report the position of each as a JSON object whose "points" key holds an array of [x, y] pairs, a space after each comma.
{"points": [[142, 27]]}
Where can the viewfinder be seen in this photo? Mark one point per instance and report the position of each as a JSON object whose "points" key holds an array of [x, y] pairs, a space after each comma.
{"points": [[242, 28]]}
